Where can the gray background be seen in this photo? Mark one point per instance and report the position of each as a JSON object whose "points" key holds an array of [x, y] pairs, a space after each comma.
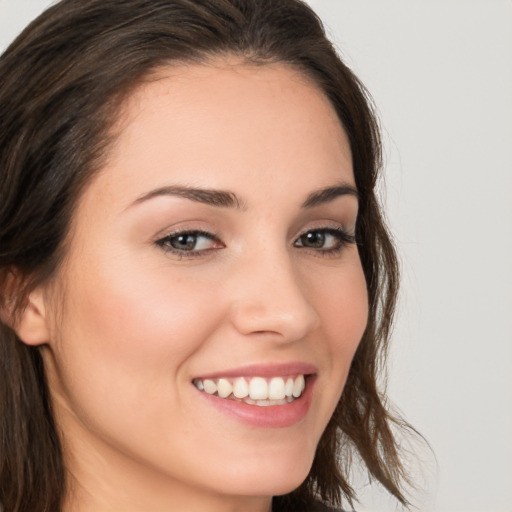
{"points": [[440, 72]]}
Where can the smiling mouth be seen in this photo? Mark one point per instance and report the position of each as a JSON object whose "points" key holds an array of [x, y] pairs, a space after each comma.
{"points": [[255, 390]]}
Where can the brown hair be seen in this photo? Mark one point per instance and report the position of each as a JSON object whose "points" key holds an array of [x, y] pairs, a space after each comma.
{"points": [[62, 82]]}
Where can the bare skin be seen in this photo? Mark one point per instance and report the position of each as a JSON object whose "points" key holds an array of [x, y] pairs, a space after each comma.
{"points": [[137, 314]]}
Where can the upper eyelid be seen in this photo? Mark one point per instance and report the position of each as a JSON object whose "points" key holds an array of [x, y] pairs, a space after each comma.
{"points": [[214, 235], [185, 231], [161, 240], [329, 228]]}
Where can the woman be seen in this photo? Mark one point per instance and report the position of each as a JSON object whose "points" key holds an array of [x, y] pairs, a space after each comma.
{"points": [[197, 284]]}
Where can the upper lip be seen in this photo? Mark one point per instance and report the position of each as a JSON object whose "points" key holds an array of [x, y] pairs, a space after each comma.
{"points": [[264, 370]]}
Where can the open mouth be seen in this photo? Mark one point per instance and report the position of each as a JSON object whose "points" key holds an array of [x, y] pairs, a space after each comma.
{"points": [[255, 390]]}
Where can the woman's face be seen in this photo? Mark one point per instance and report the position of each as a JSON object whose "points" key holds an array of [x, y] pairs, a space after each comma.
{"points": [[212, 255]]}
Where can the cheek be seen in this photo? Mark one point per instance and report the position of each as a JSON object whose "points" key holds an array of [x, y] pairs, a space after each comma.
{"points": [[344, 316], [343, 309], [341, 301], [126, 338], [127, 333], [145, 309]]}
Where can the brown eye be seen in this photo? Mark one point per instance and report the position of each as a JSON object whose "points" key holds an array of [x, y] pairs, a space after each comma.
{"points": [[313, 239], [185, 242]]}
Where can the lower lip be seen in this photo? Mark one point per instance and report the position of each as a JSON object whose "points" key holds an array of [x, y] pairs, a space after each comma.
{"points": [[270, 416]]}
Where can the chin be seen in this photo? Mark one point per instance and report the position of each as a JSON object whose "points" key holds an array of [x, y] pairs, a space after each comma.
{"points": [[276, 478]]}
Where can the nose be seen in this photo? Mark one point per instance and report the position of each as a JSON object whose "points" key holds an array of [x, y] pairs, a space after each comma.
{"points": [[271, 298]]}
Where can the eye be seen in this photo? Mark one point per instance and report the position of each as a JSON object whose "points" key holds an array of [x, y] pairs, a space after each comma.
{"points": [[189, 242], [326, 240]]}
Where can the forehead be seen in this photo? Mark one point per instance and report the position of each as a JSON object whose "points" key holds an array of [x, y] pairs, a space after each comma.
{"points": [[207, 125]]}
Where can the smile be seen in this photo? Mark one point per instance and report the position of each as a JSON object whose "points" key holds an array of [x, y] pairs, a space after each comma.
{"points": [[255, 390]]}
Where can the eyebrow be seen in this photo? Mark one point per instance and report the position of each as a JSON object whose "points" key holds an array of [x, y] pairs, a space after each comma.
{"points": [[219, 198], [227, 199], [328, 194]]}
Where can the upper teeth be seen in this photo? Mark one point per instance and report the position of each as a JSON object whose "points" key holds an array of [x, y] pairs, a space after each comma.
{"points": [[256, 388]]}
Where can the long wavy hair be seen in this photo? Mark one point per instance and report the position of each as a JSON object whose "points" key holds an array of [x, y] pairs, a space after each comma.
{"points": [[62, 84]]}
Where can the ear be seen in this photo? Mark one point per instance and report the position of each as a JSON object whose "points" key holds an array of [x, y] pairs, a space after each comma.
{"points": [[31, 326], [31, 323]]}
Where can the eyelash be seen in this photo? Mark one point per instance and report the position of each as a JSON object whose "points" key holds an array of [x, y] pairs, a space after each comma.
{"points": [[165, 243], [342, 239]]}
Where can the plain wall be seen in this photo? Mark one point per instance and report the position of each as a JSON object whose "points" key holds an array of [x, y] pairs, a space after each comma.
{"points": [[441, 75]]}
